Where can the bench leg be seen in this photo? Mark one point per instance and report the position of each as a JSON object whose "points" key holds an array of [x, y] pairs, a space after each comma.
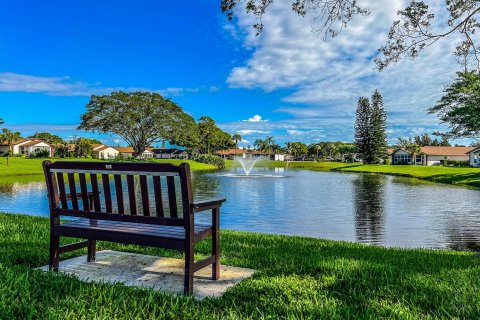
{"points": [[216, 243], [92, 250], [189, 261], [54, 253]]}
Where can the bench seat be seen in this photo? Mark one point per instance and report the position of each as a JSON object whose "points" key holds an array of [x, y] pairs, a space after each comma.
{"points": [[146, 204], [131, 233]]}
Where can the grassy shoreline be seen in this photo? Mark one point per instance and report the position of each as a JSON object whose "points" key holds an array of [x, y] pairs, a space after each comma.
{"points": [[296, 277], [32, 167], [466, 177]]}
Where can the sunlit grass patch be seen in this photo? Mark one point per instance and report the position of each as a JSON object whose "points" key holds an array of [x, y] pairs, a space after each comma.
{"points": [[297, 277]]}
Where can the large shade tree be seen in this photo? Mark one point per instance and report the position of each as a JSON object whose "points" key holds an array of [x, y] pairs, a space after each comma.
{"points": [[460, 106], [140, 118], [210, 137]]}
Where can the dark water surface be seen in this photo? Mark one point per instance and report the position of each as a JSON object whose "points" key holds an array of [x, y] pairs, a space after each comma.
{"points": [[368, 208]]}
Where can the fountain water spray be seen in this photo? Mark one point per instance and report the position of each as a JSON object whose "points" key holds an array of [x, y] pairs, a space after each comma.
{"points": [[247, 163]]}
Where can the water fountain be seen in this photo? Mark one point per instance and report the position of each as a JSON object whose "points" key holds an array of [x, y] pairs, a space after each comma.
{"points": [[248, 163]]}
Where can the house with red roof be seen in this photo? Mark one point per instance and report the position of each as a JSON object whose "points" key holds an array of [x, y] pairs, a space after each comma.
{"points": [[26, 147], [474, 157], [431, 155]]}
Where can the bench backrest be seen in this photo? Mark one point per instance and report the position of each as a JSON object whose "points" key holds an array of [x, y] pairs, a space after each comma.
{"points": [[154, 193]]}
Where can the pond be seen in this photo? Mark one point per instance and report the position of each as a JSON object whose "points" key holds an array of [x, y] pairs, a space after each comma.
{"points": [[368, 208]]}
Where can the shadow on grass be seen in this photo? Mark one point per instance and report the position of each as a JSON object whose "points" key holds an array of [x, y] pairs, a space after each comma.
{"points": [[296, 277], [467, 179]]}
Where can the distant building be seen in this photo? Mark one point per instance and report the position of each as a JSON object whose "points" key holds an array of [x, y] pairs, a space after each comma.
{"points": [[127, 152], [26, 147], [431, 155], [169, 153], [101, 151], [232, 153], [474, 157]]}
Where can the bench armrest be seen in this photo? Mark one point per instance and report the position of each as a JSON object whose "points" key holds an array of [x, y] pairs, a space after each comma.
{"points": [[207, 204]]}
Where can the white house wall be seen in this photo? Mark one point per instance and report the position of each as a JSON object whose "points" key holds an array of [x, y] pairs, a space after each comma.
{"points": [[435, 160], [109, 153], [474, 159]]}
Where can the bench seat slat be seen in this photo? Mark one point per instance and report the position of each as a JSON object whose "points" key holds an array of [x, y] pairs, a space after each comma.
{"points": [[121, 237], [120, 217], [96, 198], [73, 190], [145, 198], [126, 172], [157, 188], [84, 192], [139, 229], [172, 197], [107, 192], [62, 191], [119, 193], [132, 201]]}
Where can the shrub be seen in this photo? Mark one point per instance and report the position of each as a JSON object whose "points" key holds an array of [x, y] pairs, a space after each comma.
{"points": [[41, 153], [454, 163], [216, 161]]}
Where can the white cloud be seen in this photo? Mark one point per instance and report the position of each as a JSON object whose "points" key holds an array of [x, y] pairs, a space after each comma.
{"points": [[65, 86], [247, 132], [295, 132], [326, 78], [214, 88], [255, 118]]}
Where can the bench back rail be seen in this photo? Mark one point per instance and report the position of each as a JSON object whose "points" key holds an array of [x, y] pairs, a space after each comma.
{"points": [[152, 193]]}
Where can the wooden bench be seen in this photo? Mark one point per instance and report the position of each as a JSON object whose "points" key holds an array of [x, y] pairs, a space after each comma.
{"points": [[159, 211]]}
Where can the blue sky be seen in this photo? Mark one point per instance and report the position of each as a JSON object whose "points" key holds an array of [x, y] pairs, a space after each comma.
{"points": [[287, 82]]}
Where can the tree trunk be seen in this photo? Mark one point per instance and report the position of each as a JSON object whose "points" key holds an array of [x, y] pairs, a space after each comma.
{"points": [[137, 152]]}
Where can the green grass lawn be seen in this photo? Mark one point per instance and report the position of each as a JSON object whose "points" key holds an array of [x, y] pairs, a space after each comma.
{"points": [[296, 277], [26, 166], [458, 176]]}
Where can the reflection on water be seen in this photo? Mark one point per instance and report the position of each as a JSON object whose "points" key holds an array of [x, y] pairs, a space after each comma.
{"points": [[374, 209], [369, 208]]}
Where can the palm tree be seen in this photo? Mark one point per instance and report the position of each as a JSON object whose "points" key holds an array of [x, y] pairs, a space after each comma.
{"points": [[10, 137], [330, 148], [315, 147], [259, 144], [236, 137], [269, 142], [1, 121]]}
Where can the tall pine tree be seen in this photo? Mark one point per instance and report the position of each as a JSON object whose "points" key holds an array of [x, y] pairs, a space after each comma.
{"points": [[363, 130], [379, 128], [370, 129]]}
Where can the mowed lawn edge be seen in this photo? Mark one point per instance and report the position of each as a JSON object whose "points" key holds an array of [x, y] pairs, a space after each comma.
{"points": [[296, 277], [469, 177], [25, 166], [466, 177]]}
